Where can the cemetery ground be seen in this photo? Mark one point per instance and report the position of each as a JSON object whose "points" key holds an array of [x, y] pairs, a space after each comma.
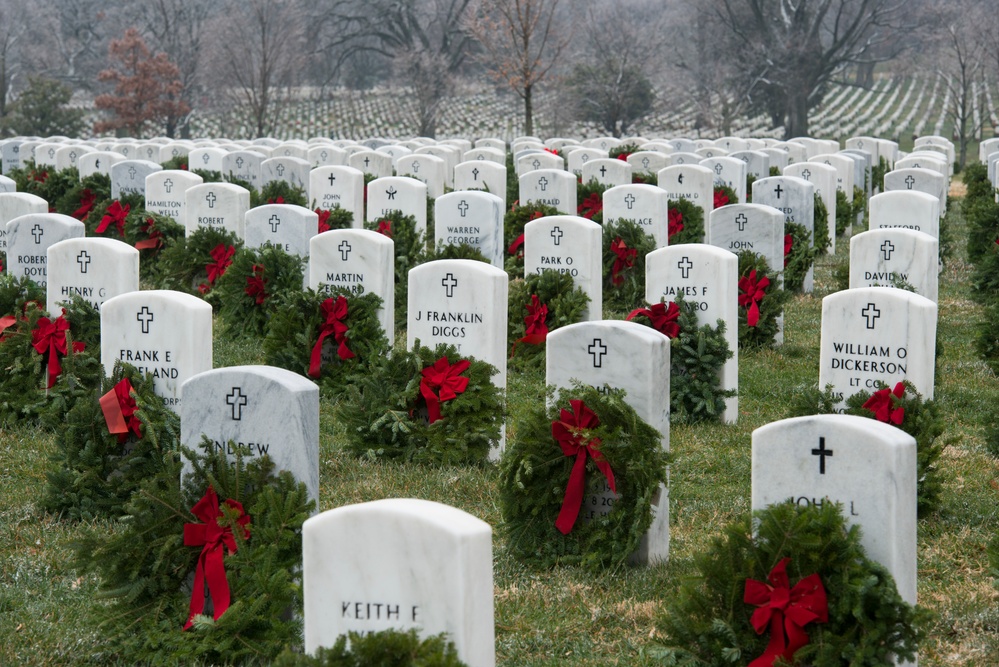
{"points": [[570, 616]]}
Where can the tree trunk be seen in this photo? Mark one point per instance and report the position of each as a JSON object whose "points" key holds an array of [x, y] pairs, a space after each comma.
{"points": [[528, 112], [796, 124]]}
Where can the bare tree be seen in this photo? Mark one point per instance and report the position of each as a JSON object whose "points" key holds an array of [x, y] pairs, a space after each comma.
{"points": [[261, 53], [794, 48], [72, 39], [962, 63], [12, 31], [522, 41]]}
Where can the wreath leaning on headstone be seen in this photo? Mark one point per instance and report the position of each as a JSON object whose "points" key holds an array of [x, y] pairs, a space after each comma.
{"points": [[590, 200], [903, 407], [540, 304], [625, 246], [428, 405], [841, 606], [193, 264], [249, 293], [410, 250], [513, 232], [235, 526], [761, 301], [113, 439], [560, 461], [344, 325], [685, 222]]}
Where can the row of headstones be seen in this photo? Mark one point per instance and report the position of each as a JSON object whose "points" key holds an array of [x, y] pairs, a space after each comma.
{"points": [[988, 154]]}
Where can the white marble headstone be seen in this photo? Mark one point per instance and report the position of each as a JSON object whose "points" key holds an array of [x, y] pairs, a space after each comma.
{"points": [[921, 180], [647, 205], [795, 197], [551, 187], [163, 333], [607, 171], [471, 218], [291, 170], [15, 204], [888, 256], [424, 167], [578, 157], [867, 466], [729, 171], [568, 244], [96, 269], [905, 209], [691, 182], [360, 260], [129, 177], [333, 186], [400, 563], [378, 165], [98, 162], [326, 156], [206, 158], [243, 165], [648, 162], [398, 193], [485, 154], [481, 175], [754, 227], [823, 177], [29, 238], [217, 206], [286, 226], [539, 160], [267, 410], [166, 193]]}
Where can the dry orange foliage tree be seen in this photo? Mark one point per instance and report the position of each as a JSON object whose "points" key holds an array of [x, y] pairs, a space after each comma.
{"points": [[146, 88]]}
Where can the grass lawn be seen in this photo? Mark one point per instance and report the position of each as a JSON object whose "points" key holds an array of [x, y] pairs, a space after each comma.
{"points": [[567, 616]]}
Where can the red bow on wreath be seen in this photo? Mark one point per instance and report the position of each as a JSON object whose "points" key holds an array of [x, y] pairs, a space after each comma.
{"points": [[324, 220], [446, 380], [154, 236], [663, 317], [116, 214], [751, 292], [571, 433], [214, 537], [119, 411], [87, 199], [675, 222], [535, 328], [785, 610], [49, 337], [334, 312], [625, 259], [721, 199], [385, 227], [223, 259], [881, 403], [788, 243], [592, 205], [255, 284]]}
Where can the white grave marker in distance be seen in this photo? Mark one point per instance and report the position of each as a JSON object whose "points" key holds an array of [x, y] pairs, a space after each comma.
{"points": [[243, 165], [823, 177], [539, 160], [647, 205], [378, 165], [551, 187], [217, 206], [96, 269], [360, 260], [424, 167], [97, 162], [129, 177], [286, 226], [400, 563], [905, 209], [161, 332], [267, 410], [795, 197], [29, 238], [729, 171], [398, 193], [568, 244], [691, 182], [607, 171], [865, 465], [333, 186], [873, 335], [14, 205], [920, 180], [883, 257], [288, 169], [166, 193], [471, 218]]}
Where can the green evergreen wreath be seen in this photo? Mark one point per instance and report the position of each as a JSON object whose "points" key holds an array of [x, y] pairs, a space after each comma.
{"points": [[94, 192], [133, 201], [625, 150], [691, 217], [513, 232], [145, 567], [697, 355], [335, 218], [920, 418], [821, 225], [15, 293], [750, 179], [386, 648], [182, 264], [590, 200], [150, 234], [23, 393], [410, 250], [770, 306], [91, 473], [844, 213], [249, 292], [381, 411], [724, 195], [566, 305], [45, 182], [800, 259], [627, 290], [270, 193], [534, 473], [294, 329], [708, 624]]}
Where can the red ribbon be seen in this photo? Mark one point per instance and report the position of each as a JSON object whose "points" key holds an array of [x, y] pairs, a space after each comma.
{"points": [[535, 328], [324, 220], [119, 410], [87, 199], [516, 246], [155, 236], [446, 380], [385, 227], [881, 403], [255, 284], [721, 199], [278, 200], [675, 222], [333, 314], [223, 259], [752, 292], [570, 432], [663, 316], [210, 570], [592, 205], [6, 322], [116, 214], [785, 610], [50, 338], [788, 243], [625, 259], [624, 157]]}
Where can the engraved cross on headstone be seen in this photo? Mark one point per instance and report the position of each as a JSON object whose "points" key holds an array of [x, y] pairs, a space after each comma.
{"points": [[741, 220], [344, 249], [679, 179], [886, 249], [205, 158], [168, 185], [872, 314], [822, 453], [910, 181], [557, 235], [536, 164], [131, 173], [280, 170], [806, 174], [144, 317], [416, 166], [685, 265], [210, 198], [603, 171], [597, 349], [778, 190], [239, 162], [237, 401], [718, 168], [449, 283], [274, 221], [629, 200], [463, 207], [332, 178], [645, 163], [37, 232], [543, 183], [83, 259]]}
